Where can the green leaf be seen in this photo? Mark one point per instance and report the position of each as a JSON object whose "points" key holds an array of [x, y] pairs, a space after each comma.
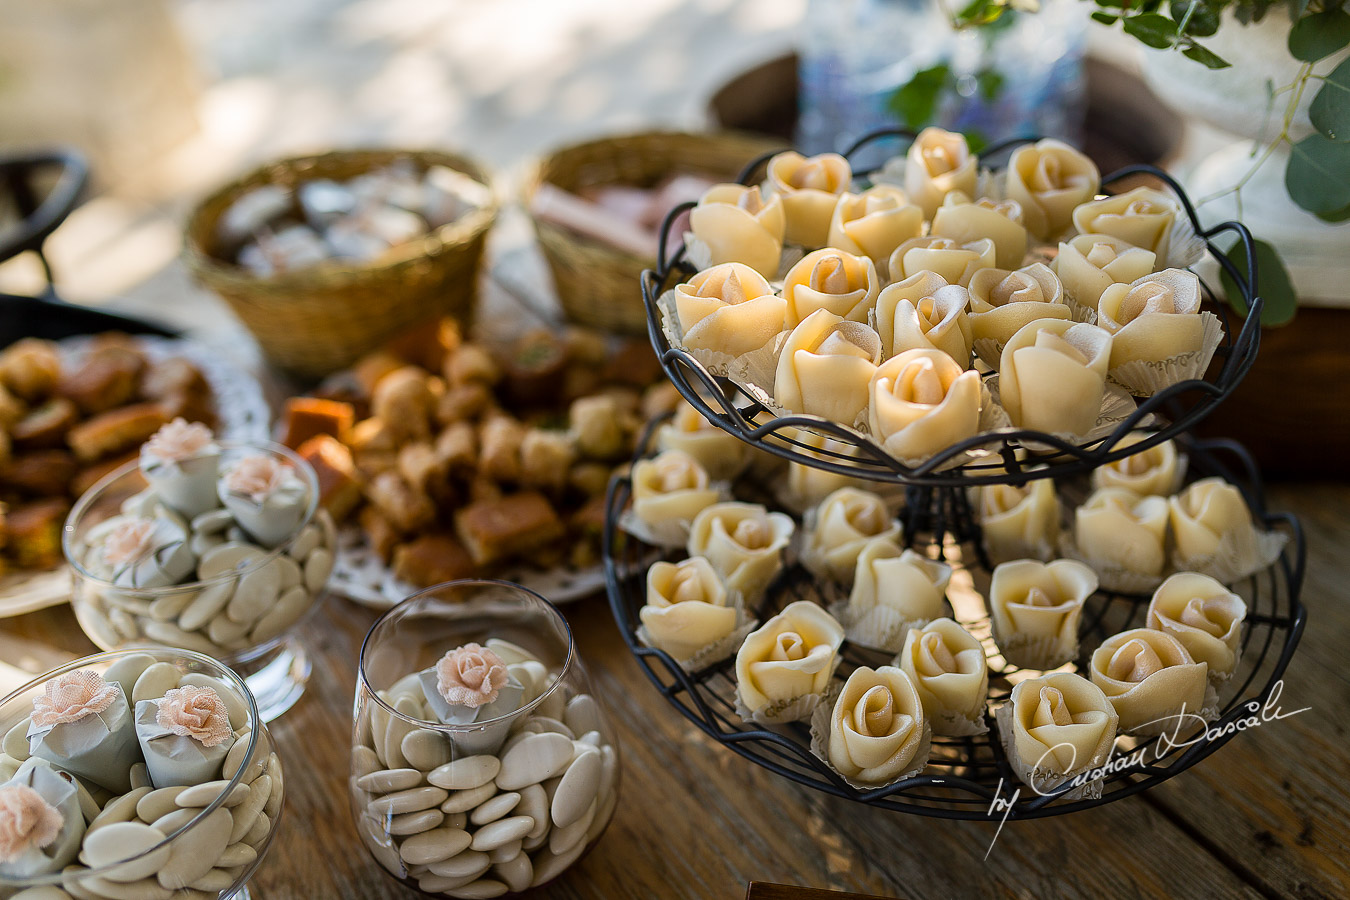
{"points": [[1152, 29], [1203, 21], [1330, 109], [1319, 35], [1297, 8], [1337, 217], [1205, 58], [1274, 285], [915, 102], [1105, 18], [1317, 176], [990, 83], [976, 140]]}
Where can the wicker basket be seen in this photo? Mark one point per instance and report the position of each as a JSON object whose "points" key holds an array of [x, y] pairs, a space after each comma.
{"points": [[598, 284], [316, 320]]}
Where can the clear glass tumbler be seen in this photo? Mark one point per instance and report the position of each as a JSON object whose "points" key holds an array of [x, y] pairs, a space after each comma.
{"points": [[494, 806]]}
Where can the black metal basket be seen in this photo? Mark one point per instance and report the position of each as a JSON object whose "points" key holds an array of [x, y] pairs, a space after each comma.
{"points": [[965, 775], [1170, 412]]}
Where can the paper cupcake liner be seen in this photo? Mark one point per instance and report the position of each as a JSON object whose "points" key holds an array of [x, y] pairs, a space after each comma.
{"points": [[989, 351], [1237, 557], [1146, 377], [950, 724], [1111, 576], [880, 628], [780, 712], [1185, 248], [1044, 780], [1040, 653], [1166, 723], [820, 740], [697, 252], [1116, 406], [1080, 312], [708, 655], [993, 418]]}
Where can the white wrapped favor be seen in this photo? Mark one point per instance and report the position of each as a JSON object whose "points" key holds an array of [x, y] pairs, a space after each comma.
{"points": [[82, 724], [181, 462], [468, 685], [266, 496], [184, 736], [41, 824]]}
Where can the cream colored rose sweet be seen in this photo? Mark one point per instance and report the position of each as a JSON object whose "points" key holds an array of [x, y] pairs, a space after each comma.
{"points": [[1003, 302], [938, 163], [1050, 179], [729, 309], [924, 312], [744, 542], [893, 590], [948, 668], [874, 223], [1018, 521], [1120, 530], [1090, 263], [1052, 376], [1035, 608], [1204, 615], [1055, 727], [998, 220], [806, 485], [470, 675], [810, 188], [954, 261], [833, 280], [739, 224], [1155, 317], [1150, 679], [790, 657], [922, 402], [687, 607], [839, 528], [1209, 517], [1142, 217], [1157, 470], [669, 490], [826, 366], [877, 727], [721, 454]]}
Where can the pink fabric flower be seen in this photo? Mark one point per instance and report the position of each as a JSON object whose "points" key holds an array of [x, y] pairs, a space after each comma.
{"points": [[71, 697], [129, 542], [470, 676], [195, 712], [26, 821], [179, 440], [255, 477]]}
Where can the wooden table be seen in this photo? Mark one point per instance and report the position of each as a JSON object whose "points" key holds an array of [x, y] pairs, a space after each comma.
{"points": [[1267, 816]]}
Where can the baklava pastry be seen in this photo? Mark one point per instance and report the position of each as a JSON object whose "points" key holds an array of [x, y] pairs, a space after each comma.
{"points": [[1035, 608]]}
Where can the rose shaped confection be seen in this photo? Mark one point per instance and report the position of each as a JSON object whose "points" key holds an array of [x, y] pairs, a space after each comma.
{"points": [[738, 224], [1214, 533], [180, 461], [472, 684], [688, 609], [721, 454], [1158, 470], [184, 735], [82, 724], [874, 223], [826, 366], [954, 261], [1154, 320], [894, 590], [1052, 375], [806, 486], [744, 542], [947, 665], [999, 221], [728, 309], [1035, 608], [1056, 727], [266, 496], [1090, 263], [810, 188], [938, 163], [784, 666], [921, 403], [1050, 179], [1151, 680], [924, 312], [833, 280], [668, 491], [839, 527], [1019, 521], [141, 552], [1122, 536], [41, 823], [1002, 302], [1143, 217], [1205, 616], [878, 732]]}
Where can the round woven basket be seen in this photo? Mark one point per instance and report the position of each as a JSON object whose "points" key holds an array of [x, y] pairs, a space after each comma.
{"points": [[597, 284], [316, 320]]}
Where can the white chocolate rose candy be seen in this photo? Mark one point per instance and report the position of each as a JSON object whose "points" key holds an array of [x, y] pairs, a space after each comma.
{"points": [[999, 221], [878, 732], [954, 261], [1157, 320], [687, 607], [1214, 533], [894, 590], [924, 312], [874, 223], [1056, 727], [1019, 521], [669, 490], [1151, 680], [922, 402], [839, 528], [810, 188], [1035, 608], [806, 486], [833, 280], [948, 668], [1158, 470], [1002, 302], [1143, 217], [826, 366], [938, 163], [744, 543], [785, 665], [1122, 536], [1090, 263], [722, 455], [1204, 615], [1052, 375], [739, 224], [728, 309], [1050, 179]]}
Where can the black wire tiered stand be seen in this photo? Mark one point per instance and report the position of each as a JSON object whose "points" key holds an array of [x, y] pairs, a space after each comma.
{"points": [[970, 777]]}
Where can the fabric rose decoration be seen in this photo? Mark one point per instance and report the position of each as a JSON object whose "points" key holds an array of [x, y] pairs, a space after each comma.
{"points": [[669, 490], [894, 590], [195, 712], [1056, 727], [924, 312], [947, 666], [181, 461], [72, 696], [954, 261], [129, 542], [1151, 680], [999, 221], [877, 730], [1158, 470], [471, 676], [739, 224], [874, 223], [1019, 521], [833, 280], [687, 607], [729, 308], [1204, 615], [1090, 263], [27, 822], [1002, 302], [1050, 180], [810, 188], [1052, 375], [1035, 608], [41, 822], [938, 163], [256, 477], [1153, 318], [785, 665], [143, 552], [922, 402], [826, 366], [839, 527], [178, 441], [1142, 217], [744, 542], [721, 454], [1118, 530]]}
